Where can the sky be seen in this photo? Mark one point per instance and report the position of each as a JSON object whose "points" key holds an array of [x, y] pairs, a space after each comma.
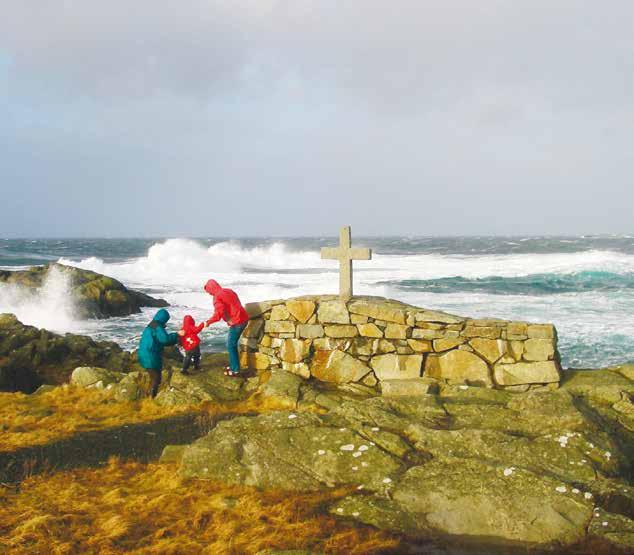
{"points": [[294, 117]]}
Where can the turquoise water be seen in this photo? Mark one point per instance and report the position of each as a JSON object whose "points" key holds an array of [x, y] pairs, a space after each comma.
{"points": [[585, 285]]}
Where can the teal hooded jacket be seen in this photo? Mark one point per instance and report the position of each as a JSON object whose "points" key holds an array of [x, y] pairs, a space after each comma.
{"points": [[153, 340]]}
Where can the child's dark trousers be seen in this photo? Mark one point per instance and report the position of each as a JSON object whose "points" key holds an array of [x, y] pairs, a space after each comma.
{"points": [[192, 356]]}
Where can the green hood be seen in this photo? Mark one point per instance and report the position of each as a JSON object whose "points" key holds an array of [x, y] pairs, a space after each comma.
{"points": [[162, 316]]}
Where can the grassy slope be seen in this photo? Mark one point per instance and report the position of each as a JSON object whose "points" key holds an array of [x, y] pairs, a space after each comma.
{"points": [[136, 508], [37, 419]]}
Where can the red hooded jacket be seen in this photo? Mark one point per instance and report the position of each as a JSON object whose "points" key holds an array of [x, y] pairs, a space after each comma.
{"points": [[190, 340], [227, 305]]}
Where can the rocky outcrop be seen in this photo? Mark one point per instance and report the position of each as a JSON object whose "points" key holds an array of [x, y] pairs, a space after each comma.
{"points": [[371, 340], [30, 357], [548, 468], [94, 295]]}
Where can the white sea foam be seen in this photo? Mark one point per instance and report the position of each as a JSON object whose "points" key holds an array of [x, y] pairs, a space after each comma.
{"points": [[179, 260], [49, 307], [180, 266], [176, 269]]}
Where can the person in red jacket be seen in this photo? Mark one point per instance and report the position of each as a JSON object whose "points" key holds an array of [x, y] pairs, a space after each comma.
{"points": [[189, 340], [227, 306]]}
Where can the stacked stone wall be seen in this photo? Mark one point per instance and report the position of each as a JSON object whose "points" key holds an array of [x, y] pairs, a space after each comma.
{"points": [[375, 341]]}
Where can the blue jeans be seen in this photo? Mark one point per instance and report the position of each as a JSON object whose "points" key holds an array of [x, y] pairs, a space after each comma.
{"points": [[232, 346]]}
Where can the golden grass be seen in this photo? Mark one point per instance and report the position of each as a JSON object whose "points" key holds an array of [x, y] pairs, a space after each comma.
{"points": [[27, 420], [143, 509]]}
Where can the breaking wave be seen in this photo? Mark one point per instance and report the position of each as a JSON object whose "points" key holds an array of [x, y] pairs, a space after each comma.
{"points": [[49, 307]]}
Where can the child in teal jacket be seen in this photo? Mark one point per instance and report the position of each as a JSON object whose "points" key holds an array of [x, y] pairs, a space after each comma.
{"points": [[153, 340]]}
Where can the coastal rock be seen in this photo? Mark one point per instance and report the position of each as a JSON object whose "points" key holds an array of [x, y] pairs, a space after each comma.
{"points": [[86, 376], [289, 451], [93, 295], [605, 386], [409, 387], [469, 498], [207, 384], [30, 357], [283, 388], [529, 468]]}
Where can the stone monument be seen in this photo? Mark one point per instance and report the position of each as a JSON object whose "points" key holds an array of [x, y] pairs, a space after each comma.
{"points": [[345, 254]]}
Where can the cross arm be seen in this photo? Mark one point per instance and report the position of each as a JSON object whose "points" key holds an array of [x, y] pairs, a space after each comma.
{"points": [[361, 254], [330, 253]]}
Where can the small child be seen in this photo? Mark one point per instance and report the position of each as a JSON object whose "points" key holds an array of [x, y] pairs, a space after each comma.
{"points": [[190, 341]]}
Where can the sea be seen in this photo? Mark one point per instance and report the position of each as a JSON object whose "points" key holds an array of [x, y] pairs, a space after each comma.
{"points": [[584, 285]]}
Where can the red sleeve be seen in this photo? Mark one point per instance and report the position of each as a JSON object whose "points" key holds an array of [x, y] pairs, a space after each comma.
{"points": [[219, 310], [200, 327]]}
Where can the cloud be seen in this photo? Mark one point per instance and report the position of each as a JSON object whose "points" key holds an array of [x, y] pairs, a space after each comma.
{"points": [[507, 109]]}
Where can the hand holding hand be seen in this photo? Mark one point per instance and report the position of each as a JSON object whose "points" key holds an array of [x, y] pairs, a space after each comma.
{"points": [[181, 332]]}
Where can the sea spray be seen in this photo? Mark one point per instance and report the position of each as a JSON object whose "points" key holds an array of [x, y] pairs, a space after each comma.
{"points": [[51, 306], [585, 285]]}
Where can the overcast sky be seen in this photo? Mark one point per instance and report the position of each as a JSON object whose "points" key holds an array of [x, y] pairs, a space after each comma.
{"points": [[265, 117]]}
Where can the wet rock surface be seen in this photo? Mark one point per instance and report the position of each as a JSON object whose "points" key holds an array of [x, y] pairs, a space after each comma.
{"points": [[31, 357], [548, 467]]}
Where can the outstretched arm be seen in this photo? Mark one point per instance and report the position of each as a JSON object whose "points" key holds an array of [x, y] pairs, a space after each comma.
{"points": [[165, 338], [219, 310]]}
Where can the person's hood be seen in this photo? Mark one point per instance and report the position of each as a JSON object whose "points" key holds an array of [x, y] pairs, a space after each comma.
{"points": [[212, 287], [188, 322], [162, 316]]}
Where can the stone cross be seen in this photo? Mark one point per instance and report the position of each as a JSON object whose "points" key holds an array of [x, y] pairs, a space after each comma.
{"points": [[345, 254]]}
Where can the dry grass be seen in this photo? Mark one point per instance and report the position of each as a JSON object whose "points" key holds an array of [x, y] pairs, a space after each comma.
{"points": [[136, 508], [27, 420]]}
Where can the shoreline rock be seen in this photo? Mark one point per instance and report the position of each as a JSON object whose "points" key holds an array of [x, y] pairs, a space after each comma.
{"points": [[543, 468], [94, 295], [31, 357]]}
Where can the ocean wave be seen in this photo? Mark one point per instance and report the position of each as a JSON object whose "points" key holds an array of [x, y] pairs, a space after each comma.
{"points": [[534, 284], [50, 306], [595, 329], [180, 258], [185, 261]]}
